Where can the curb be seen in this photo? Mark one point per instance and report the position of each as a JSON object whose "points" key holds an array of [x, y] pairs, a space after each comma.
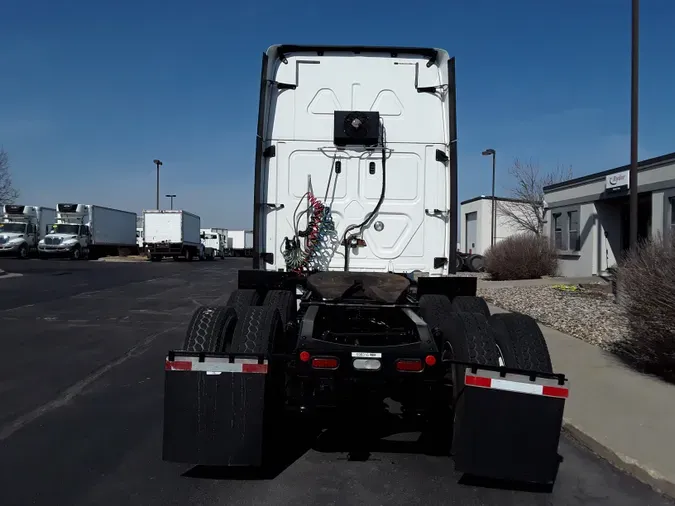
{"points": [[648, 476]]}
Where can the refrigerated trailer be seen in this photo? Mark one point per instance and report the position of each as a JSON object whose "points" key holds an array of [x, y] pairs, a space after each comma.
{"points": [[171, 233], [22, 227], [89, 231], [340, 316]]}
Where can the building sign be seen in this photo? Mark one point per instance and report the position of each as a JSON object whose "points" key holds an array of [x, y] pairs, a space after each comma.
{"points": [[618, 181]]}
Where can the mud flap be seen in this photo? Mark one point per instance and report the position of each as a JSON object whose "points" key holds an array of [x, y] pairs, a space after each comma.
{"points": [[214, 408], [507, 425]]}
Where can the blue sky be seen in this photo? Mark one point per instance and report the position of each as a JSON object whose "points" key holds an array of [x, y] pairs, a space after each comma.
{"points": [[92, 92]]}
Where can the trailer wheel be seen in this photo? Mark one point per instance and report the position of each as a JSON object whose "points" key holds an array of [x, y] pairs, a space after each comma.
{"points": [[525, 339], [240, 300], [211, 329], [469, 304]]}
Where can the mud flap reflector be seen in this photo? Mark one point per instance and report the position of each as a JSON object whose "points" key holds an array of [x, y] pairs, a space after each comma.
{"points": [[214, 410], [507, 426]]}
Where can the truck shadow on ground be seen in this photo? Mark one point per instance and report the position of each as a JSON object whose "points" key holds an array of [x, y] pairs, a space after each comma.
{"points": [[361, 440]]}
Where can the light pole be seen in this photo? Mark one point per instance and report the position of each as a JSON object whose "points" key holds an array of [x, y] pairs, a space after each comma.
{"points": [[158, 163], [633, 200], [493, 153], [171, 197]]}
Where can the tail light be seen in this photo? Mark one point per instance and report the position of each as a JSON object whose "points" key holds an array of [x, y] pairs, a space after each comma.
{"points": [[409, 365], [325, 363]]}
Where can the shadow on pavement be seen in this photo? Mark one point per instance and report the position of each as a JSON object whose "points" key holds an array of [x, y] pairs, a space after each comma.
{"points": [[298, 442]]}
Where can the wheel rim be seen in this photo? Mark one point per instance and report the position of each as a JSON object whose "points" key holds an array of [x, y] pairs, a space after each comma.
{"points": [[76, 253], [23, 252]]}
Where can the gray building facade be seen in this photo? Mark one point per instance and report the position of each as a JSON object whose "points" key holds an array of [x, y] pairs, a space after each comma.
{"points": [[587, 218]]}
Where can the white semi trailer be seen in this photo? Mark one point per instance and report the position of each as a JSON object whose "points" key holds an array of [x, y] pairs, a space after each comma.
{"points": [[171, 233], [22, 227], [89, 231]]}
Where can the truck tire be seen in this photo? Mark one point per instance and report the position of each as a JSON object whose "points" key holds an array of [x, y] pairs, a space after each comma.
{"points": [[23, 251], [525, 339], [467, 337], [476, 263], [258, 330], [240, 300], [433, 308], [469, 304], [210, 329], [188, 255], [76, 254], [459, 263], [285, 302]]}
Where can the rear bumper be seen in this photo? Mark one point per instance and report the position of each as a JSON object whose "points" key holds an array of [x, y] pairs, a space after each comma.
{"points": [[164, 249]]}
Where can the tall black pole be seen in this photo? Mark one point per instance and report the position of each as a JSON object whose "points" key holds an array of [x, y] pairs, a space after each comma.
{"points": [[157, 186], [494, 212], [634, 127], [158, 163]]}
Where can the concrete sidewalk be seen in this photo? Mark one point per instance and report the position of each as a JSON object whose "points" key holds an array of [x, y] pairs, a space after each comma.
{"points": [[624, 416]]}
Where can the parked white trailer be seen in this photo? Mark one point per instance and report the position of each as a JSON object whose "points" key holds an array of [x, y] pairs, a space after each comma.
{"points": [[174, 233], [22, 227], [240, 242], [89, 231]]}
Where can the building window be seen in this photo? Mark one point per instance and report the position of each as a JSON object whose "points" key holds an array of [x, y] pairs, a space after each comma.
{"points": [[573, 230], [566, 229], [558, 231]]}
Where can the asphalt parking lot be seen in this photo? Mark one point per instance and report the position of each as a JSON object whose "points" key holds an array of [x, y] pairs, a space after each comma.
{"points": [[81, 389]]}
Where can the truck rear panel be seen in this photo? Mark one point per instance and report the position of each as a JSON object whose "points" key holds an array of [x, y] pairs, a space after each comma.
{"points": [[302, 87], [171, 227]]}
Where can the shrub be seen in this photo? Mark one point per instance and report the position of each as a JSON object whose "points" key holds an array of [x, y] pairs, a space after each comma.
{"points": [[646, 292], [521, 256]]}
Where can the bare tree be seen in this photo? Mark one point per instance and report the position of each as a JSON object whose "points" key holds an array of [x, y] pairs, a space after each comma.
{"points": [[529, 215], [8, 194]]}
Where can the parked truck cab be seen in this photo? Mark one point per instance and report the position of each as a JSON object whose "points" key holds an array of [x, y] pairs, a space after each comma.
{"points": [[22, 227], [89, 231]]}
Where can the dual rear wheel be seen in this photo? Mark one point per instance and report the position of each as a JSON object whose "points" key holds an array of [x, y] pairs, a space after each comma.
{"points": [[246, 324]]}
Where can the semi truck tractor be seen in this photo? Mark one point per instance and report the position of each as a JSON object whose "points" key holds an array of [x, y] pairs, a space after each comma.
{"points": [[351, 316], [87, 231], [214, 243], [22, 227], [171, 233]]}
